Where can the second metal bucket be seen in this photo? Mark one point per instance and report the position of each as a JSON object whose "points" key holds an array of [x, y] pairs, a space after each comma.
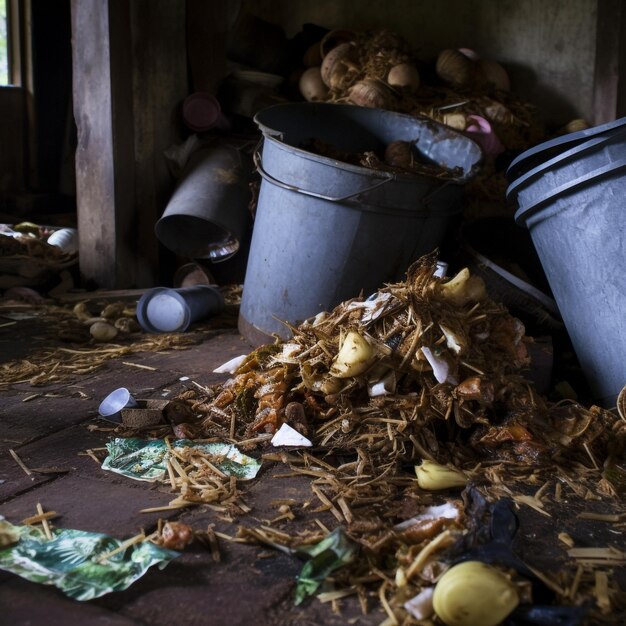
{"points": [[207, 216], [326, 230], [579, 230]]}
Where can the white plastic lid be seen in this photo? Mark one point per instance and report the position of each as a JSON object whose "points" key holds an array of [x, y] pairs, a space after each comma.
{"points": [[167, 313]]}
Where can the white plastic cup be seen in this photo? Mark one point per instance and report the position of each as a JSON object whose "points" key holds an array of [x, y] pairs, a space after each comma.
{"points": [[66, 239], [163, 310], [111, 407]]}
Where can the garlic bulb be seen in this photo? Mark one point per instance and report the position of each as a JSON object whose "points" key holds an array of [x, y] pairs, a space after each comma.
{"points": [[353, 358], [433, 476], [127, 324], [455, 68], [81, 311], [312, 86], [405, 76], [113, 310], [474, 594], [337, 63], [103, 331], [370, 92]]}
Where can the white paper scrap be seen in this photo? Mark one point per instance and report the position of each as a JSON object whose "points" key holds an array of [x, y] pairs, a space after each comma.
{"points": [[288, 436], [421, 606], [384, 386], [441, 369], [230, 367], [443, 511]]}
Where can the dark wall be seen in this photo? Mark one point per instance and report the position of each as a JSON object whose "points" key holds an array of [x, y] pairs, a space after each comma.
{"points": [[52, 73]]}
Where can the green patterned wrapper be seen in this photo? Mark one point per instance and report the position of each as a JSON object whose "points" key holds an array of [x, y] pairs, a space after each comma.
{"points": [[147, 460], [71, 560]]}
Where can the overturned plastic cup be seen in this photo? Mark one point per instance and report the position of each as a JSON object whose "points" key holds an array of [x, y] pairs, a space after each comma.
{"points": [[66, 239], [163, 310], [111, 407]]}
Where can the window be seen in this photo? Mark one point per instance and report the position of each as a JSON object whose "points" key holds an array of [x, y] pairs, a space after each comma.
{"points": [[4, 44]]}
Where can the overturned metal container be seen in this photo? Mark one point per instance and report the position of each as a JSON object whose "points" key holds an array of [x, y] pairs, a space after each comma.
{"points": [[207, 217]]}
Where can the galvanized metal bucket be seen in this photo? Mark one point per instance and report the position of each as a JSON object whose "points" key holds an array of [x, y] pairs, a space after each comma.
{"points": [[578, 228], [326, 230], [207, 216]]}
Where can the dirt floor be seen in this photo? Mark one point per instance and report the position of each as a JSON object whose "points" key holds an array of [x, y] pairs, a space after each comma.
{"points": [[50, 427]]}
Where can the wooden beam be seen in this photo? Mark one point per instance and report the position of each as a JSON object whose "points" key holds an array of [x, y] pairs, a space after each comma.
{"points": [[160, 84], [129, 68], [609, 88], [95, 152]]}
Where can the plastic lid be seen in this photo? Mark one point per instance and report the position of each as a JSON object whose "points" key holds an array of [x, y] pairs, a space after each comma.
{"points": [[163, 310], [167, 313], [201, 111]]}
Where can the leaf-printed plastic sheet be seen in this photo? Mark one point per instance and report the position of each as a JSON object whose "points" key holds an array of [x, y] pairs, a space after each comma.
{"points": [[147, 460], [71, 561], [331, 553]]}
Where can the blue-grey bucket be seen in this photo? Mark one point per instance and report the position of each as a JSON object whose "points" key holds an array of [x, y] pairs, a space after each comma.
{"points": [[326, 230], [539, 154], [570, 164], [578, 228], [207, 216], [163, 310]]}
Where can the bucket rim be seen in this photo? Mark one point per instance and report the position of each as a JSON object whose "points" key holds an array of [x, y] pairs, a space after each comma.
{"points": [[596, 142], [277, 136], [527, 211], [354, 200], [565, 140]]}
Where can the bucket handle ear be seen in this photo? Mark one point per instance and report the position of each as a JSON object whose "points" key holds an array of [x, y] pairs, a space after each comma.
{"points": [[258, 162]]}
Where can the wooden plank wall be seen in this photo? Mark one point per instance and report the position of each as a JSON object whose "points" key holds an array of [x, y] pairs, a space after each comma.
{"points": [[129, 65]]}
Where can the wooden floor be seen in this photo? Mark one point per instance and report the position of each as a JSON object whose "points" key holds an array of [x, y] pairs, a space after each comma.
{"points": [[250, 585], [49, 427]]}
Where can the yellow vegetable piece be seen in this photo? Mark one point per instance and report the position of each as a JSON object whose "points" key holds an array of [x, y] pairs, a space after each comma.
{"points": [[354, 357], [474, 594], [433, 476], [464, 288]]}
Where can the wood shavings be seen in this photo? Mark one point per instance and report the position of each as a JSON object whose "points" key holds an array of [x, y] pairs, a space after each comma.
{"points": [[602, 556], [532, 502], [39, 518], [499, 432], [602, 517], [19, 461], [44, 521], [141, 537], [601, 592]]}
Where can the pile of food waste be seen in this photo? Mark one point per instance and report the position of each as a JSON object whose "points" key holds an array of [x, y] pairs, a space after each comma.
{"points": [[459, 88], [399, 157], [420, 428]]}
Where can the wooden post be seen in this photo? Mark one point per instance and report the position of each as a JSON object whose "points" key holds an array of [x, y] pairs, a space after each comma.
{"points": [[129, 75], [609, 85]]}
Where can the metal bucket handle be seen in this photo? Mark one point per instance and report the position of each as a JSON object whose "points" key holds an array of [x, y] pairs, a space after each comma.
{"points": [[258, 162], [525, 212]]}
